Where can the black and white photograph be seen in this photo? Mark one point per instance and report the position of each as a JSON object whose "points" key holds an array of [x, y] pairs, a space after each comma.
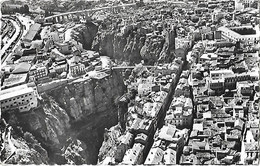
{"points": [[129, 82]]}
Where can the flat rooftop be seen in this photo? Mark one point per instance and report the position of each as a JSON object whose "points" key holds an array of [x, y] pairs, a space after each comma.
{"points": [[32, 32], [13, 92], [244, 31]]}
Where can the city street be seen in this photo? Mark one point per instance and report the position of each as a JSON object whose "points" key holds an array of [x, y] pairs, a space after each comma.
{"points": [[8, 44]]}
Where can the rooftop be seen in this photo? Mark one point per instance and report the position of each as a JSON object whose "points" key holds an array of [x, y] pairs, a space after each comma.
{"points": [[13, 92], [32, 32], [155, 156], [21, 68], [244, 31], [170, 156], [15, 79]]}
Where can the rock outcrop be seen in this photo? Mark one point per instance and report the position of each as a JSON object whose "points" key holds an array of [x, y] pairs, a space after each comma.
{"points": [[70, 120], [23, 149], [129, 43], [85, 34], [133, 46]]}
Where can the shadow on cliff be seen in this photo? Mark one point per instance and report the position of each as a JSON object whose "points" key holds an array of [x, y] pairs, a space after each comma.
{"points": [[70, 120]]}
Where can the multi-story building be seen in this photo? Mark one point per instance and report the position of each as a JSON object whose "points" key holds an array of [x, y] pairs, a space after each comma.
{"points": [[20, 97], [15, 80], [242, 33], [55, 36], [134, 155], [217, 79], [125, 143], [155, 156], [60, 66], [180, 114], [168, 145], [38, 72], [182, 45], [77, 69]]}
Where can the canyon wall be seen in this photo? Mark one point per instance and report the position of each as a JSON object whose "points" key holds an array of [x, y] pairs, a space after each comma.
{"points": [[133, 45], [130, 43], [85, 34], [69, 123], [70, 120]]}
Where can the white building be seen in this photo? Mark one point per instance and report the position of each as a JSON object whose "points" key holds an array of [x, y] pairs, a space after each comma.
{"points": [[38, 71], [229, 33], [55, 36], [217, 78], [239, 5], [218, 74], [22, 97], [155, 156]]}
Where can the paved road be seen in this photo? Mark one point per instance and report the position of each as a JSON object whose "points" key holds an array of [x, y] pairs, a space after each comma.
{"points": [[6, 46], [89, 10], [27, 23]]}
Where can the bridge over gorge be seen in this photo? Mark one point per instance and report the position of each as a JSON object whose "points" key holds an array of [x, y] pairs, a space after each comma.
{"points": [[85, 14], [129, 67]]}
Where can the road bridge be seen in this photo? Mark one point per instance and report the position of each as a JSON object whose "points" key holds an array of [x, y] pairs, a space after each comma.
{"points": [[129, 67], [85, 14]]}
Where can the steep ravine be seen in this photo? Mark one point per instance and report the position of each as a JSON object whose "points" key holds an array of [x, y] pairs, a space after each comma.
{"points": [[70, 121], [131, 45]]}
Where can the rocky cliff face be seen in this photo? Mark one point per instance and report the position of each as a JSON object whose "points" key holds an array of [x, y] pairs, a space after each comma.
{"points": [[21, 148], [85, 34], [110, 143], [70, 121], [128, 43], [134, 46], [123, 47]]}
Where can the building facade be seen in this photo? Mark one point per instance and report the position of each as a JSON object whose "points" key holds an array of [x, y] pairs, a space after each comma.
{"points": [[22, 97]]}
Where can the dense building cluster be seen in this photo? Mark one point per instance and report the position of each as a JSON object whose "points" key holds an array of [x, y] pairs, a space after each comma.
{"points": [[191, 71], [46, 54], [153, 90], [215, 101], [226, 103]]}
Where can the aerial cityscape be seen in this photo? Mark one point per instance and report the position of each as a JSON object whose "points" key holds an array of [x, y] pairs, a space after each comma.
{"points": [[130, 82]]}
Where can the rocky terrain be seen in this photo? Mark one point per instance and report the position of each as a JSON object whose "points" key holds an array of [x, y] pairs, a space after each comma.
{"points": [[128, 45], [133, 46], [21, 147], [68, 125], [85, 34], [70, 121]]}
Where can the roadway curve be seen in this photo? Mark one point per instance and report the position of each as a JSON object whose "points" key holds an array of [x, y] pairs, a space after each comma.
{"points": [[89, 10], [15, 38]]}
